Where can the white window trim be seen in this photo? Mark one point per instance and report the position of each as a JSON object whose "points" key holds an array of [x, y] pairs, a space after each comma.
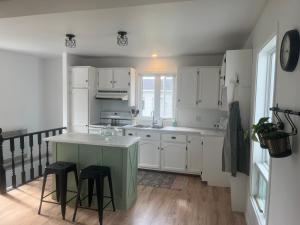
{"points": [[261, 166], [157, 95]]}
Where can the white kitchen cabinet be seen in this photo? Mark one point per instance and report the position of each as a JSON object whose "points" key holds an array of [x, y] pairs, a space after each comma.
{"points": [[149, 154], [194, 154], [198, 87], [105, 78], [83, 108], [121, 78], [208, 91], [173, 157], [79, 109], [79, 77], [212, 162], [187, 86]]}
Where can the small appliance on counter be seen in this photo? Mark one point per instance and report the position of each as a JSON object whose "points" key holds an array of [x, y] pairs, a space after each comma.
{"points": [[111, 123]]}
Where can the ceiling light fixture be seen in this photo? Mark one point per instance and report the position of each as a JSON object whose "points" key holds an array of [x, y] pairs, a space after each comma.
{"points": [[122, 39], [154, 55], [70, 41]]}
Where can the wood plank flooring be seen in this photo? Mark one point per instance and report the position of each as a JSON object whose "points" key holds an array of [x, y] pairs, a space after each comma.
{"points": [[188, 202]]}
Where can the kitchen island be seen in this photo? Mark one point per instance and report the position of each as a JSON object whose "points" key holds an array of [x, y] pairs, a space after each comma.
{"points": [[118, 153]]}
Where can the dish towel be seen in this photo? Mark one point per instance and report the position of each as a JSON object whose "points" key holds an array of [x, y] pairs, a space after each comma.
{"points": [[236, 151]]}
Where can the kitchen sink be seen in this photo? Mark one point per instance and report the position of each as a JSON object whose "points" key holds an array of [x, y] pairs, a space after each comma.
{"points": [[148, 126]]}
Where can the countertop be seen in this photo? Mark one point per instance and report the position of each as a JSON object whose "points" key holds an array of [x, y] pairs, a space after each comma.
{"points": [[182, 130], [94, 139]]}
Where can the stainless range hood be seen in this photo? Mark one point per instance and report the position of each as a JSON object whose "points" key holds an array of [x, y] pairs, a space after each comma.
{"points": [[116, 95]]}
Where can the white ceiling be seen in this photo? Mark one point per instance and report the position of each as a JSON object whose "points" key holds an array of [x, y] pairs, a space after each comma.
{"points": [[168, 29]]}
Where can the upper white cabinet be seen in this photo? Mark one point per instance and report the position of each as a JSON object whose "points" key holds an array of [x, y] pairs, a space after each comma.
{"points": [[194, 154], [80, 77], [105, 78], [212, 162], [187, 86], [115, 78], [198, 87]]}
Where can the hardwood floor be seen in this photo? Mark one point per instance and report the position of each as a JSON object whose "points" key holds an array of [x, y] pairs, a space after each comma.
{"points": [[188, 202]]}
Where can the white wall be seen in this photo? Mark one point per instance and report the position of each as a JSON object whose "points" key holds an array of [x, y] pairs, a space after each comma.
{"points": [[20, 91], [186, 117], [52, 90], [285, 176]]}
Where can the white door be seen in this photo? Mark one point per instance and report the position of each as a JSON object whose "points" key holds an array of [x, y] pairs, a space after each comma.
{"points": [[212, 162], [208, 94], [105, 78], [80, 77], [80, 108], [121, 78], [174, 157], [195, 150], [187, 86], [149, 154]]}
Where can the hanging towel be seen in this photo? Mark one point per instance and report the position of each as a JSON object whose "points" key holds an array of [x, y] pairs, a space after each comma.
{"points": [[236, 151]]}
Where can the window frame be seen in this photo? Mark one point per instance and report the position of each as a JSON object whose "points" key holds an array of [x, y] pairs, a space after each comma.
{"points": [[157, 90], [261, 162]]}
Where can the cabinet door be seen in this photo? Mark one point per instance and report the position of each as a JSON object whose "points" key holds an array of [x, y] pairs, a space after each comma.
{"points": [[174, 157], [80, 107], [149, 154], [105, 78], [80, 77], [208, 93], [212, 162], [194, 147], [121, 78], [187, 86]]}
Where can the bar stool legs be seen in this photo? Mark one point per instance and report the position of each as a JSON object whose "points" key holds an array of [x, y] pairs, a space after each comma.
{"points": [[111, 191]]}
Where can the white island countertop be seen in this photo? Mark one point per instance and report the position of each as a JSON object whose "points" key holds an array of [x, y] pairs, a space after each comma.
{"points": [[182, 130], [94, 139]]}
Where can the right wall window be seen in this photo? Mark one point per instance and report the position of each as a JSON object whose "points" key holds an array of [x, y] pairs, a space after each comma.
{"points": [[264, 100]]}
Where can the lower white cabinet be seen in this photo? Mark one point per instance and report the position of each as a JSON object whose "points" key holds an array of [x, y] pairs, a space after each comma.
{"points": [[212, 162], [194, 154], [173, 157], [149, 154]]}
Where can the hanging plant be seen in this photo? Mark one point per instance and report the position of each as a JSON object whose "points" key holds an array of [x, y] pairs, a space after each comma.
{"points": [[278, 143], [260, 129]]}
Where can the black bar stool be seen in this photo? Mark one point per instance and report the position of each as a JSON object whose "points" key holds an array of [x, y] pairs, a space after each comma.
{"points": [[95, 174], [61, 170]]}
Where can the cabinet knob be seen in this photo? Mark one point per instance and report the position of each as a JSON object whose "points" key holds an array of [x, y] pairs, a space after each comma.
{"points": [[130, 134], [173, 138], [148, 135]]}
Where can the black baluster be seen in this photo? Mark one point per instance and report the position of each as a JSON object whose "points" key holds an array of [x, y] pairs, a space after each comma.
{"points": [[47, 149], [40, 154], [22, 146], [12, 150], [31, 157], [60, 131], [2, 169]]}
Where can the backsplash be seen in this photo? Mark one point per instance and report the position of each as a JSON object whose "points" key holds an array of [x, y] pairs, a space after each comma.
{"points": [[204, 118]]}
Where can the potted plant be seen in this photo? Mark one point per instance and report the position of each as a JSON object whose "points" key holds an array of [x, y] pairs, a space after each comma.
{"points": [[278, 143], [260, 129], [271, 138]]}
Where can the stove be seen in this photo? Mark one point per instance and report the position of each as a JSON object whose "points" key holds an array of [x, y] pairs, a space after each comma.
{"points": [[111, 123]]}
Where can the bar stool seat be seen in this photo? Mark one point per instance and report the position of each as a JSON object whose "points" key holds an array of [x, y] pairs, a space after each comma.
{"points": [[61, 170], [95, 174]]}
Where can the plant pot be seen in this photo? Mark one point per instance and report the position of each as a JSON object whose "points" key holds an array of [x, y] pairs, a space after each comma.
{"points": [[278, 144], [262, 141]]}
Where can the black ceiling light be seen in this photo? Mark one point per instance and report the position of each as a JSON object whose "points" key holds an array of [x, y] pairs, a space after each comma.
{"points": [[70, 41], [122, 39]]}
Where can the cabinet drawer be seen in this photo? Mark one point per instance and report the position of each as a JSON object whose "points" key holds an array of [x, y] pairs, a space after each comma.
{"points": [[130, 133], [173, 138], [148, 135]]}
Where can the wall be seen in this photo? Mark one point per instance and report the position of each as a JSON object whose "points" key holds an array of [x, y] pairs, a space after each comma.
{"points": [[20, 91], [52, 90], [186, 117], [285, 177]]}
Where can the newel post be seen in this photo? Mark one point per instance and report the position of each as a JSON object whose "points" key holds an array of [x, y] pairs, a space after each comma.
{"points": [[2, 169]]}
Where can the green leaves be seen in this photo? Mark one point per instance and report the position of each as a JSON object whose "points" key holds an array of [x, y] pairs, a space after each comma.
{"points": [[261, 128]]}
